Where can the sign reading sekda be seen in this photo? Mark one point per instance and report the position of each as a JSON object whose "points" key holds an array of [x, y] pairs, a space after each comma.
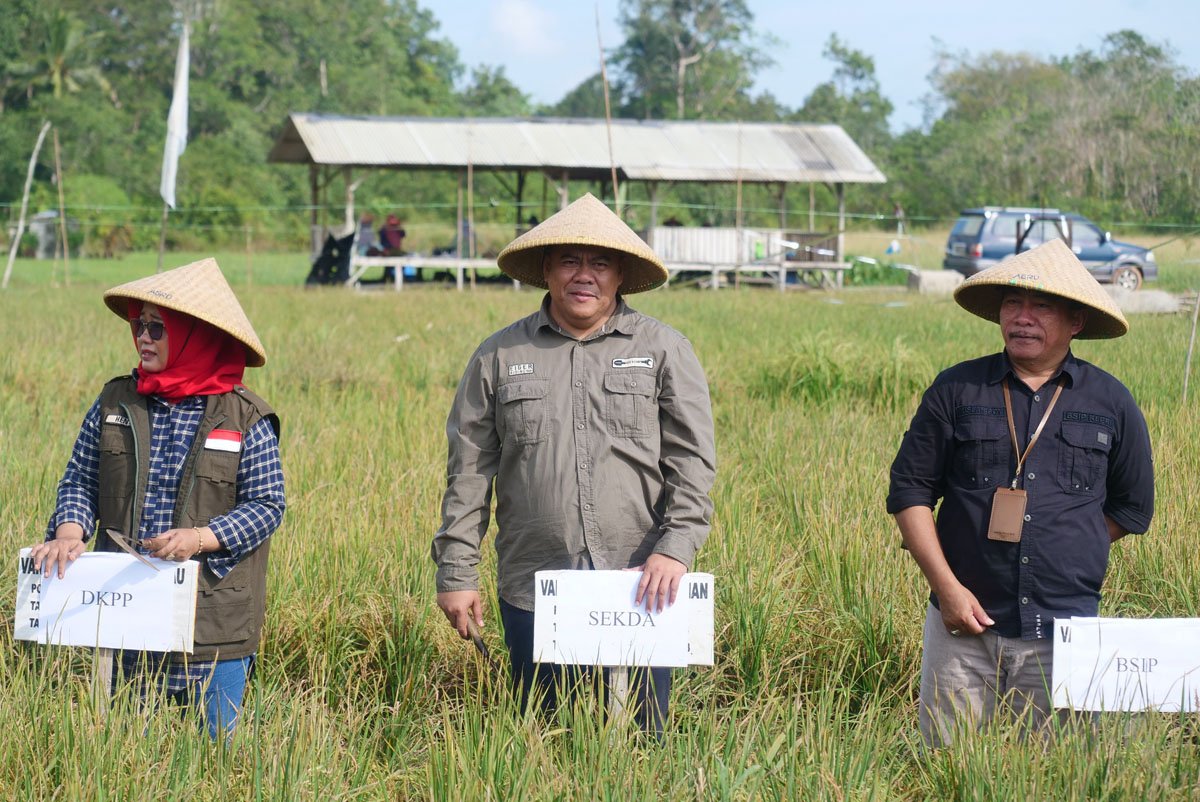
{"points": [[108, 600], [589, 618]]}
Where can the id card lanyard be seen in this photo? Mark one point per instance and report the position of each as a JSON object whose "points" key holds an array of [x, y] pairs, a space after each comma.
{"points": [[1012, 427], [1008, 503]]}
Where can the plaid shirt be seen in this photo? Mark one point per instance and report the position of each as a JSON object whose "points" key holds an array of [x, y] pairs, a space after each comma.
{"points": [[259, 503]]}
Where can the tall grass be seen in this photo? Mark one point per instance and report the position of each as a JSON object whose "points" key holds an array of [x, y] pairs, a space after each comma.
{"points": [[362, 690]]}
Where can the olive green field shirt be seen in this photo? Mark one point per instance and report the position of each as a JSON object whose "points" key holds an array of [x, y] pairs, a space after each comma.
{"points": [[600, 451]]}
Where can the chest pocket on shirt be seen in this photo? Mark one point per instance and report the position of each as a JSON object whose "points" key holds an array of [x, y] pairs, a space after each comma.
{"points": [[1083, 457], [631, 407], [523, 410], [981, 450]]}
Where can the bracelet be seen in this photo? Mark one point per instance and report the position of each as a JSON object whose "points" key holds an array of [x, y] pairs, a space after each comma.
{"points": [[199, 540]]}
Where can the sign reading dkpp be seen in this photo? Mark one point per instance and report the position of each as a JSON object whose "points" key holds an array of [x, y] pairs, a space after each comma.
{"points": [[589, 618], [108, 600]]}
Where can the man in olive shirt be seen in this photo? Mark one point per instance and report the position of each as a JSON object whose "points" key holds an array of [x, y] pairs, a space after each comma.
{"points": [[593, 422]]}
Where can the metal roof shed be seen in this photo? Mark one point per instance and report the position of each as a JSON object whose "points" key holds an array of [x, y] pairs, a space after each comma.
{"points": [[649, 151]]}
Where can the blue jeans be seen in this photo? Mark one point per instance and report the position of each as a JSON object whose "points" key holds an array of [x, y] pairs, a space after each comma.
{"points": [[219, 697], [649, 691]]}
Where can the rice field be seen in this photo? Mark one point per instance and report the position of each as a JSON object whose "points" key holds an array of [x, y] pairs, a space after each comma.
{"points": [[362, 690]]}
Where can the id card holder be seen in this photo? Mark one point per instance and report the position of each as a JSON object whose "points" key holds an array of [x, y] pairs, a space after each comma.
{"points": [[1008, 515]]}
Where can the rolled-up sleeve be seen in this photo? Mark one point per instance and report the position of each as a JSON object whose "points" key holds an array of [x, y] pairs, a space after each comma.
{"points": [[687, 455], [917, 475], [472, 462]]}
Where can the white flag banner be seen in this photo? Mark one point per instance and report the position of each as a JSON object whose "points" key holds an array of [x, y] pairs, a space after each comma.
{"points": [[177, 122], [1128, 664], [589, 618], [109, 600]]}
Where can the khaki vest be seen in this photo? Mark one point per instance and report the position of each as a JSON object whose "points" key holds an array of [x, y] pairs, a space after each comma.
{"points": [[229, 610]]}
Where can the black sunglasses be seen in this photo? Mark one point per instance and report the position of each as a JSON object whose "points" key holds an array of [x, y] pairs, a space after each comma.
{"points": [[156, 328]]}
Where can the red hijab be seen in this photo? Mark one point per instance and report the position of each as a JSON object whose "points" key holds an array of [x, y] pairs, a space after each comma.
{"points": [[202, 359]]}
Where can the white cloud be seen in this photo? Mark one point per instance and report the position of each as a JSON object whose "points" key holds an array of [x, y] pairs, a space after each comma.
{"points": [[525, 28]]}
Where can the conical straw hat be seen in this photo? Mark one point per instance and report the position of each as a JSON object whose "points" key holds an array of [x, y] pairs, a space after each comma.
{"points": [[587, 221], [199, 290], [1050, 268]]}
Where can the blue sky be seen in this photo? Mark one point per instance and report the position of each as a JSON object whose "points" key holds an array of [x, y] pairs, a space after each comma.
{"points": [[548, 46]]}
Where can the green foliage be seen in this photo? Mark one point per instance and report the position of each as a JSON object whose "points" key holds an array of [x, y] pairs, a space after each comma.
{"points": [[28, 246], [875, 273], [99, 206], [686, 59], [63, 57], [823, 371], [1103, 133], [491, 94], [852, 99]]}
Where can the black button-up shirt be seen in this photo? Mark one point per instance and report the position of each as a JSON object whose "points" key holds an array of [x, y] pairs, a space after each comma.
{"points": [[1091, 460]]}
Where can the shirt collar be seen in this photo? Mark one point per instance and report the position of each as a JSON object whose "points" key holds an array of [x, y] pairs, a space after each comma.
{"points": [[623, 320], [1003, 368]]}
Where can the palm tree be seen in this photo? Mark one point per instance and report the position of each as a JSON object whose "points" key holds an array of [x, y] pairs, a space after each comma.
{"points": [[63, 64]]}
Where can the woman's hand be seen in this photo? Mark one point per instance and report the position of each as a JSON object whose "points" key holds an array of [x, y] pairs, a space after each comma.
{"points": [[55, 555], [180, 544]]}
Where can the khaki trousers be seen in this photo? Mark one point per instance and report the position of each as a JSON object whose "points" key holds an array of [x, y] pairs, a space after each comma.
{"points": [[969, 680]]}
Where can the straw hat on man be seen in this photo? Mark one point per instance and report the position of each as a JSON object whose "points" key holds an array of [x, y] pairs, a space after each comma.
{"points": [[592, 421], [1039, 461]]}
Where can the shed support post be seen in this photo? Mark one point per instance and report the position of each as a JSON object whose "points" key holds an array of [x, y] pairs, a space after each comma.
{"points": [[314, 198], [782, 196], [652, 191], [458, 237], [518, 219], [841, 235]]}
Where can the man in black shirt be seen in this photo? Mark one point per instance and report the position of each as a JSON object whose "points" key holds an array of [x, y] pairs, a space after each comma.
{"points": [[1040, 461]]}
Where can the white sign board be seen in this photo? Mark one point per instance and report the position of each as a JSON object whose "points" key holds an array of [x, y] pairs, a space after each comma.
{"points": [[589, 618], [108, 600], [1127, 664]]}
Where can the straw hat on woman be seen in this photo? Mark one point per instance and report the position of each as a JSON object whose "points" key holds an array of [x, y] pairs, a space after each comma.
{"points": [[179, 459]]}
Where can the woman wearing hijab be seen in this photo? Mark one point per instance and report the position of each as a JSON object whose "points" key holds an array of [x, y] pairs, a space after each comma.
{"points": [[181, 458]]}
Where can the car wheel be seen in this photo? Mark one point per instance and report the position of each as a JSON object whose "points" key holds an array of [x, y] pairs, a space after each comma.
{"points": [[1127, 277]]}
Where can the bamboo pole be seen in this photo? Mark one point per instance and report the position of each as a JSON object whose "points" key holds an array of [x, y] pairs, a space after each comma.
{"points": [[1187, 366], [458, 238], [162, 237], [612, 162], [16, 242], [741, 244], [62, 214], [470, 232]]}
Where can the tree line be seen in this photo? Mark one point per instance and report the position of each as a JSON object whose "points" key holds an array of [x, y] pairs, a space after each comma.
{"points": [[1112, 132]]}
